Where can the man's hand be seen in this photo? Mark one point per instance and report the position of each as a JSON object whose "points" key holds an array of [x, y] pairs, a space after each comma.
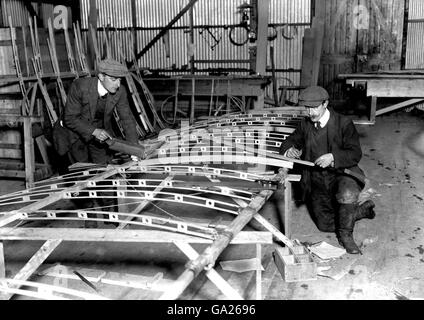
{"points": [[325, 160], [101, 134], [293, 153], [135, 158]]}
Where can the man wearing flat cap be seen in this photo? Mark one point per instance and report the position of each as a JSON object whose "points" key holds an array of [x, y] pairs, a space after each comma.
{"points": [[89, 110], [331, 141]]}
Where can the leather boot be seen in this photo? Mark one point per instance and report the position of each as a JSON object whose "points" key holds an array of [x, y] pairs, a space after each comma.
{"points": [[365, 210], [346, 222]]}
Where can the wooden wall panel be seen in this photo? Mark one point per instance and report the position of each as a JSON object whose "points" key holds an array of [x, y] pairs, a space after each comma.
{"points": [[360, 36]]}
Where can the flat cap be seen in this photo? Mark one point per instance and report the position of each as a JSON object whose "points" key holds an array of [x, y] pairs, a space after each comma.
{"points": [[313, 96], [112, 68]]}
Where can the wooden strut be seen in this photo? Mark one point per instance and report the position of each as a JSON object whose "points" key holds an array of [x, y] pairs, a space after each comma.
{"points": [[51, 43], [69, 52], [165, 29], [44, 291], [178, 226], [209, 256], [78, 44], [25, 101]]}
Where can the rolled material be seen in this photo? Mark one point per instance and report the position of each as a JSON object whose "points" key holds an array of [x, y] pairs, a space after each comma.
{"points": [[127, 147]]}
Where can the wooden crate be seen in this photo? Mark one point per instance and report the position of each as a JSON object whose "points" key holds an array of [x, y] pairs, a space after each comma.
{"points": [[299, 266]]}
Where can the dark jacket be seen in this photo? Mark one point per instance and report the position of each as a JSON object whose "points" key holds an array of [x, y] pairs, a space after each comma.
{"points": [[79, 113], [343, 143]]}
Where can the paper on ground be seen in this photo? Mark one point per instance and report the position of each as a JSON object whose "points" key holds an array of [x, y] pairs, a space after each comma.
{"points": [[326, 251], [241, 265]]}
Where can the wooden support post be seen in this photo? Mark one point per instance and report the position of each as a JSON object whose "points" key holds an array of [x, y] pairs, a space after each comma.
{"points": [[262, 8], [258, 272], [274, 79], [287, 207], [2, 262], [37, 260], [373, 108], [193, 93], [29, 153]]}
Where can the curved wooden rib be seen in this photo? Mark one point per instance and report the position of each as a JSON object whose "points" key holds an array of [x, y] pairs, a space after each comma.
{"points": [[222, 159]]}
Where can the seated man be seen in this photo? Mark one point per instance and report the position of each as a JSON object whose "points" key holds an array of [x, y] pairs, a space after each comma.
{"points": [[331, 141]]}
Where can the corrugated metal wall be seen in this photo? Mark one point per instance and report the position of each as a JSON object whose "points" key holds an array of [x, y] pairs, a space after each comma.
{"points": [[414, 55], [360, 35], [212, 19], [16, 10]]}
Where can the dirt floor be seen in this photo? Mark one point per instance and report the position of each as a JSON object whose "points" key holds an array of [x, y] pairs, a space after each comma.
{"points": [[391, 266]]}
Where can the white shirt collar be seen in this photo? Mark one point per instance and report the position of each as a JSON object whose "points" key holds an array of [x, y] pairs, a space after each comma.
{"points": [[324, 119], [100, 89]]}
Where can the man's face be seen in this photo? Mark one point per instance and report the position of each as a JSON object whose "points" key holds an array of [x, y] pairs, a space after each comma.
{"points": [[315, 113], [111, 84]]}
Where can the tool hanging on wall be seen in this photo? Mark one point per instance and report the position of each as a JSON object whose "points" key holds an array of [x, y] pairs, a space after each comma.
{"points": [[240, 34], [210, 35]]}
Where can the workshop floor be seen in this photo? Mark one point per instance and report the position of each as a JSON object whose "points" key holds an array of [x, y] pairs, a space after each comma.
{"points": [[391, 266]]}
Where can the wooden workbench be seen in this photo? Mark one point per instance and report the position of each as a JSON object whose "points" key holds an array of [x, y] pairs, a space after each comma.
{"points": [[398, 84]]}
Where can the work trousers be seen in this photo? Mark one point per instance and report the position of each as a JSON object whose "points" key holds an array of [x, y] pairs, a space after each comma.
{"points": [[93, 152], [328, 191]]}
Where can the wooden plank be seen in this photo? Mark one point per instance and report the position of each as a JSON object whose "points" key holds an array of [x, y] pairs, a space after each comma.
{"points": [[395, 88], [113, 235], [398, 106], [36, 260], [165, 29]]}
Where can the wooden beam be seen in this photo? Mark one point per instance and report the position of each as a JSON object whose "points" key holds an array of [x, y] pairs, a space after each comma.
{"points": [[395, 88], [398, 106], [113, 235], [37, 259], [165, 29], [29, 153]]}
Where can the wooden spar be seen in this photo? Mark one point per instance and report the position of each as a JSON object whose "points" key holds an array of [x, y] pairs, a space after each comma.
{"points": [[209, 256]]}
